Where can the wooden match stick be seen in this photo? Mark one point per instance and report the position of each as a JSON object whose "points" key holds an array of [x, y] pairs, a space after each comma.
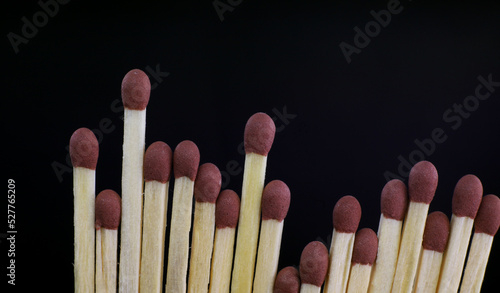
{"points": [[84, 150], [485, 227], [313, 267], [227, 210], [436, 232], [186, 161], [275, 204], [107, 220], [287, 281], [363, 256], [393, 203], [258, 139], [135, 96], [422, 184], [157, 167], [346, 217], [465, 204], [206, 190]]}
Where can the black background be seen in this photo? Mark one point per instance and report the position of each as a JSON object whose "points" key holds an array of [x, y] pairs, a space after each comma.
{"points": [[352, 120]]}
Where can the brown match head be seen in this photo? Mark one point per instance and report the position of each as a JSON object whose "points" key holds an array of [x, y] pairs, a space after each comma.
{"points": [[108, 206], [83, 148], [135, 90], [488, 217], [207, 183], [158, 162], [394, 200], [313, 263], [346, 214], [365, 247], [436, 232], [422, 182], [467, 196], [227, 209], [186, 160], [287, 281], [275, 200], [259, 134]]}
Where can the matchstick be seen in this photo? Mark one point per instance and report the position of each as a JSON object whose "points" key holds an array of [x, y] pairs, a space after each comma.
{"points": [[206, 190], [107, 220], [393, 203], [135, 96], [422, 184], [363, 256], [346, 217], [227, 210], [313, 267], [186, 161], [258, 139], [465, 204], [275, 204], [436, 232], [287, 281], [84, 150], [157, 167], [485, 227]]}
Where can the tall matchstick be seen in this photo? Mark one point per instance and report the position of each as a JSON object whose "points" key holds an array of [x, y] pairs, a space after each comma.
{"points": [[275, 204], [84, 150], [186, 161], [206, 190], [465, 204], [422, 184], [485, 227], [107, 220], [313, 267], [135, 96], [393, 204], [346, 217], [363, 256], [157, 167], [258, 139], [287, 281]]}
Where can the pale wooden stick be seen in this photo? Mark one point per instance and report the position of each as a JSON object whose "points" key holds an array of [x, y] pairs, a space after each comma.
{"points": [[106, 260]]}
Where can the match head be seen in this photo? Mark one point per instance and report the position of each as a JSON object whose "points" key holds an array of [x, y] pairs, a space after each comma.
{"points": [[313, 263], [158, 162], [346, 214], [83, 148], [467, 196], [135, 90], [422, 182], [365, 247], [436, 232], [287, 281], [108, 206], [394, 200], [227, 209], [259, 134], [207, 183], [488, 217], [186, 160], [275, 201]]}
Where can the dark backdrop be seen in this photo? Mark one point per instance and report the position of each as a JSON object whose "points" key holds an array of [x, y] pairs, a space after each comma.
{"points": [[343, 127]]}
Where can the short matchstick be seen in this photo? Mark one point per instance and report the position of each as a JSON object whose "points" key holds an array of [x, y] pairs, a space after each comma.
{"points": [[275, 204], [135, 96], [393, 204], [157, 168], [107, 220], [206, 190], [422, 184], [287, 281], [465, 204], [313, 267], [363, 256], [258, 139], [84, 150]]}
